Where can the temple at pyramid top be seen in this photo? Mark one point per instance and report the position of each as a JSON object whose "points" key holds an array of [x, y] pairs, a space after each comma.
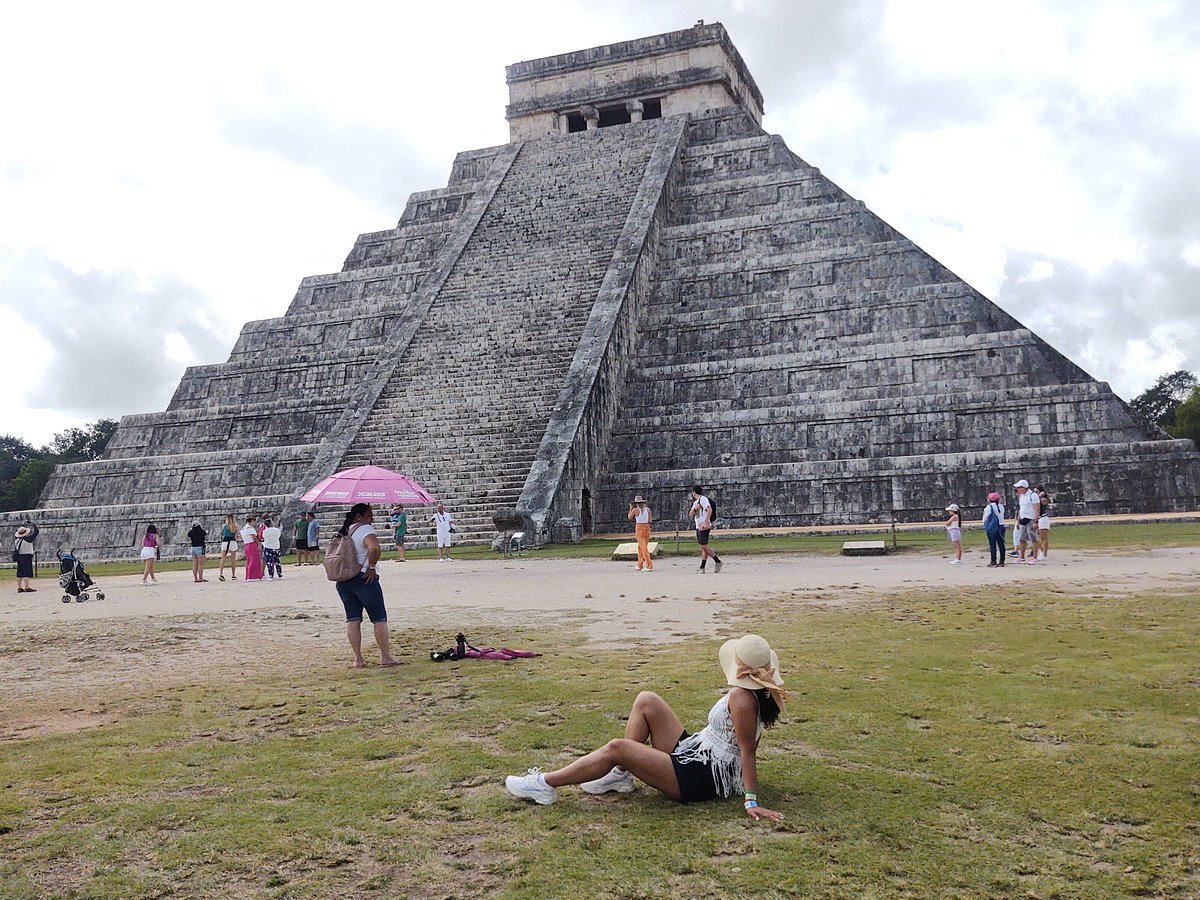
{"points": [[670, 74], [641, 291]]}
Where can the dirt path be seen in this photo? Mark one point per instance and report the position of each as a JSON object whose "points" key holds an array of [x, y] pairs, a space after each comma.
{"points": [[56, 658]]}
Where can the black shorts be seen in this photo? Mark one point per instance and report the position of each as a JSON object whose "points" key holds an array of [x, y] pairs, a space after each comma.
{"points": [[702, 537], [695, 779], [302, 545]]}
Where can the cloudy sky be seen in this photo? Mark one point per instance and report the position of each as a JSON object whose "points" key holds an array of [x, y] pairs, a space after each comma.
{"points": [[170, 171]]}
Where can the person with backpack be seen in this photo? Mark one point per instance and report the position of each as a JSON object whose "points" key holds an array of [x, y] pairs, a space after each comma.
{"points": [[703, 513], [351, 562], [993, 527]]}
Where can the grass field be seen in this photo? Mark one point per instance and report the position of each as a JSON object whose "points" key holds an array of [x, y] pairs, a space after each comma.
{"points": [[1032, 744]]}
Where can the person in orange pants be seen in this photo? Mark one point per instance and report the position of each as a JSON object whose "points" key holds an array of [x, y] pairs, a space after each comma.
{"points": [[639, 512]]}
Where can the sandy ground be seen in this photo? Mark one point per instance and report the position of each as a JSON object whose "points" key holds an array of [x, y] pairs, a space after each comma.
{"points": [[180, 632]]}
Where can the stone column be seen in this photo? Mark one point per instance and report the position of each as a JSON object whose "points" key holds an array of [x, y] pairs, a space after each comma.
{"points": [[564, 126], [591, 115], [635, 110]]}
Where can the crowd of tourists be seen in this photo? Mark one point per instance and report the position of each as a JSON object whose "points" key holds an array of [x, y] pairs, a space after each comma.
{"points": [[1030, 527]]}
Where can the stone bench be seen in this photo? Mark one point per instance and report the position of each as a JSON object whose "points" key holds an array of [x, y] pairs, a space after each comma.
{"points": [[627, 552], [864, 548]]}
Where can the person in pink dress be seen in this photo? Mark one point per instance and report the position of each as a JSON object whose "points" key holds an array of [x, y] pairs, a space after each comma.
{"points": [[253, 549]]}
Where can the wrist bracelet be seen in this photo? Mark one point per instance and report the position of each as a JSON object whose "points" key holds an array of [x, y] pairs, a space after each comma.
{"points": [[750, 804], [751, 795]]}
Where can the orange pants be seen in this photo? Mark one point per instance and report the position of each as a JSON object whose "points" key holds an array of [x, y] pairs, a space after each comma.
{"points": [[642, 531]]}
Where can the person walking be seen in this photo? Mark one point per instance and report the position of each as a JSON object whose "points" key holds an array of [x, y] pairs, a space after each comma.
{"points": [[300, 538], [993, 527], [443, 526], [229, 548], [23, 552], [1043, 522], [314, 538], [719, 761], [701, 513], [363, 593], [150, 553], [197, 536], [1028, 509], [272, 535], [399, 520], [954, 532], [642, 518], [251, 547]]}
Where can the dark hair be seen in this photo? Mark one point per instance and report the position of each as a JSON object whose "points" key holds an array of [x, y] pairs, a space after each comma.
{"points": [[696, 489], [151, 528], [267, 520], [768, 709], [356, 510]]}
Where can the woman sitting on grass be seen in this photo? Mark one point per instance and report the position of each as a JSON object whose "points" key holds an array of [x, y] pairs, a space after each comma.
{"points": [[716, 762]]}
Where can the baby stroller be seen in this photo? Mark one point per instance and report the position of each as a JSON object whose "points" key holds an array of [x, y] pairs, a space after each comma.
{"points": [[74, 580]]}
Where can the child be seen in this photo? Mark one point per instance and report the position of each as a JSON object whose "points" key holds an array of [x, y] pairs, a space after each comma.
{"points": [[993, 527], [954, 532], [1043, 522]]}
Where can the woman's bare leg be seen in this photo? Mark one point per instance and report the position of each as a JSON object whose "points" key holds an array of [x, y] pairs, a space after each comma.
{"points": [[653, 718], [650, 765]]}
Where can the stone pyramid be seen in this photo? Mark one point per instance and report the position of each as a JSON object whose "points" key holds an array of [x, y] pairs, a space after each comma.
{"points": [[642, 290]]}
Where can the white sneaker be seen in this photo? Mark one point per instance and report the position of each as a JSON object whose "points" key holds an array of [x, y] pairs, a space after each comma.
{"points": [[615, 780], [531, 787], [717, 566], [956, 562]]}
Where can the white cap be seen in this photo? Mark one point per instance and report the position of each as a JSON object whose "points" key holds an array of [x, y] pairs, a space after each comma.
{"points": [[953, 507], [1021, 484]]}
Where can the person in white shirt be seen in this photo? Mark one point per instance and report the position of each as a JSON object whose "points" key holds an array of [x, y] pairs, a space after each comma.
{"points": [[701, 513], [1028, 510], [954, 532], [640, 514], [363, 592], [270, 549], [252, 550], [443, 524]]}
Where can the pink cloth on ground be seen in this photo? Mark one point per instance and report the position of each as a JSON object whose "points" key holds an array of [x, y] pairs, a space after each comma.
{"points": [[503, 653]]}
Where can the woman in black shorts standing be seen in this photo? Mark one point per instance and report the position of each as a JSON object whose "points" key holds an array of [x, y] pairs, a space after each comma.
{"points": [[719, 761]]}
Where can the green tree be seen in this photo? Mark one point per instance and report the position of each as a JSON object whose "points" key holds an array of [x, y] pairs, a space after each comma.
{"points": [[14, 453], [82, 444], [23, 491], [24, 469], [1187, 418], [1158, 403]]}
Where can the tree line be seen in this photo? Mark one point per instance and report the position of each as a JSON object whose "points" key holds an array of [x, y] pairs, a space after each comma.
{"points": [[1173, 404], [25, 469]]}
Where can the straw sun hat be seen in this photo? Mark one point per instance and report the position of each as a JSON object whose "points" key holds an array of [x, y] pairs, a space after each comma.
{"points": [[750, 654]]}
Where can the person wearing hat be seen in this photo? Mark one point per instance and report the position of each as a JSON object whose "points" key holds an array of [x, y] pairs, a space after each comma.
{"points": [[954, 532], [993, 527], [1028, 510], [639, 512], [718, 761], [23, 549]]}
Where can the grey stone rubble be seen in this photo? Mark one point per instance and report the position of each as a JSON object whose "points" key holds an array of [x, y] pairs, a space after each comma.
{"points": [[581, 315]]}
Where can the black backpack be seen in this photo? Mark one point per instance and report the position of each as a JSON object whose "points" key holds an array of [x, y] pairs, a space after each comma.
{"points": [[712, 512]]}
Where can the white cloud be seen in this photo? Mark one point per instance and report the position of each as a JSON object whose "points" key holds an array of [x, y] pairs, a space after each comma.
{"points": [[206, 162]]}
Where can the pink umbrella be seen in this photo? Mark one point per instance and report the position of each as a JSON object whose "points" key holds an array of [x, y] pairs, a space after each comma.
{"points": [[368, 484]]}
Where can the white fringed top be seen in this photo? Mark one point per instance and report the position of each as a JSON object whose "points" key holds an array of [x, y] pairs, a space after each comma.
{"points": [[717, 745]]}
